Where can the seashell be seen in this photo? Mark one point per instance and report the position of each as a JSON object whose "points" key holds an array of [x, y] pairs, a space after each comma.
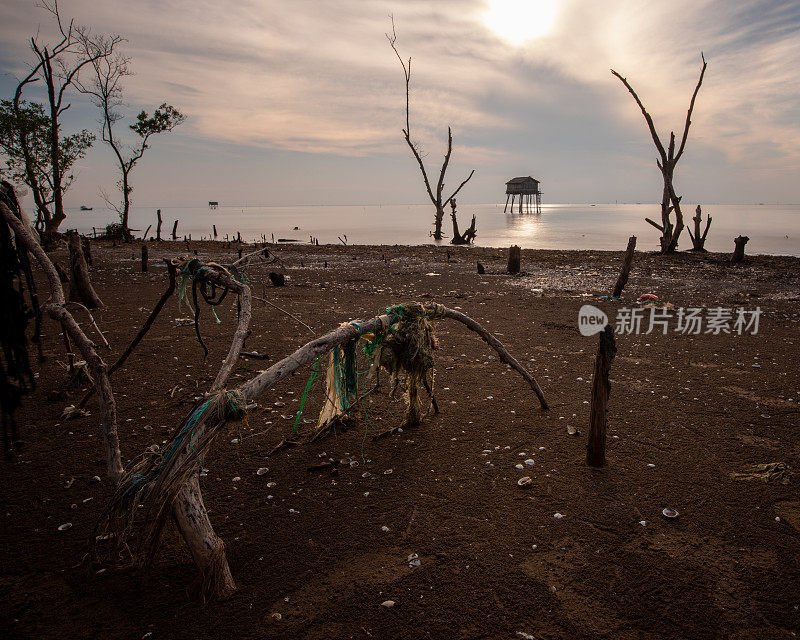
{"points": [[558, 516], [519, 466], [668, 512], [388, 604], [524, 481], [572, 431], [65, 526], [261, 471], [530, 462]]}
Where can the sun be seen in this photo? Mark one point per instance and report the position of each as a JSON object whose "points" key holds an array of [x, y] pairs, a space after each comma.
{"points": [[517, 21]]}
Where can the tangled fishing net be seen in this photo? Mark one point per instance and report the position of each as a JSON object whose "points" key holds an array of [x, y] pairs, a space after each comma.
{"points": [[403, 348]]}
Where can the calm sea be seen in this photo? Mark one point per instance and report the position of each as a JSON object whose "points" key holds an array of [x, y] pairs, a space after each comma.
{"points": [[773, 229]]}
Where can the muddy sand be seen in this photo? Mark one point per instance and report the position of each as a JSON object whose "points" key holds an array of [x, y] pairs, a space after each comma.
{"points": [[325, 550]]}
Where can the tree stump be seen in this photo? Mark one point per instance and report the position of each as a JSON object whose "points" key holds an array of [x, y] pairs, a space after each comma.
{"points": [[514, 257], [626, 268], [481, 269], [698, 239], [175, 230], [738, 252], [144, 258], [277, 279], [86, 246], [601, 389], [80, 286]]}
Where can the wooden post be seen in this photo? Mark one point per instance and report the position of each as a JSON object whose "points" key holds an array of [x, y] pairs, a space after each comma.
{"points": [[158, 225], [94, 232], [144, 258], [601, 389], [144, 235], [521, 196], [514, 257], [738, 252], [626, 268], [213, 226], [239, 237], [506, 207], [175, 230]]}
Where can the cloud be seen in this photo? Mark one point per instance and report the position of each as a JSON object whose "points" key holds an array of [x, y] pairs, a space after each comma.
{"points": [[320, 78]]}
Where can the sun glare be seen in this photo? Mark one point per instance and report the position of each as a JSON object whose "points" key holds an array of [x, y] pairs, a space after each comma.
{"points": [[517, 21]]}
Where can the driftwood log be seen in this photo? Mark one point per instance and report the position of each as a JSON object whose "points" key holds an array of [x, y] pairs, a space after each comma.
{"points": [[57, 310], [601, 389], [80, 286], [626, 268]]}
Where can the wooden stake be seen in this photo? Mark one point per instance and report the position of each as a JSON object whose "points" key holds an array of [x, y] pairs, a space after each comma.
{"points": [[601, 389], [514, 257], [175, 230], [626, 268], [158, 226], [144, 258]]}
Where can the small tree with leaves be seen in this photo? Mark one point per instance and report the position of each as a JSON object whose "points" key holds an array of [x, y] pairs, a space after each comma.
{"points": [[668, 158], [437, 197], [24, 143], [106, 89]]}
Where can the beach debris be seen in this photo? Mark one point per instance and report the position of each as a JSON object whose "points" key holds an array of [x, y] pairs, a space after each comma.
{"points": [[65, 526], [572, 430], [644, 523], [95, 479], [413, 560], [519, 466], [71, 411], [385, 529], [648, 298], [530, 462], [387, 604], [524, 481], [669, 512], [779, 472], [277, 617], [261, 471], [558, 516], [69, 483], [236, 479]]}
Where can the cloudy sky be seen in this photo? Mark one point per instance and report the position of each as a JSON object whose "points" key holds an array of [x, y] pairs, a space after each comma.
{"points": [[301, 102]]}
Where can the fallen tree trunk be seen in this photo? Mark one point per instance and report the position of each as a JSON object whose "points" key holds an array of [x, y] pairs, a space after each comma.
{"points": [[171, 482], [57, 310]]}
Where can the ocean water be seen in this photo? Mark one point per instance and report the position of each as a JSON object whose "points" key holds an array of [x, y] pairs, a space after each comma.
{"points": [[773, 229]]}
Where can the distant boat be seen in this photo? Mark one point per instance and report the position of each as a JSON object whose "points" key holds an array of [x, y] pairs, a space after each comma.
{"points": [[85, 208]]}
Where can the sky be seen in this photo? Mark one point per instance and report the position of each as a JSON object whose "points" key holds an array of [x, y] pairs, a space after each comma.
{"points": [[302, 102]]}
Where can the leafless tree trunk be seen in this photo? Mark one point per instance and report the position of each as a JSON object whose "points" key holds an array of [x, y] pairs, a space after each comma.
{"points": [[437, 198], [670, 233], [626, 268], [698, 239], [469, 234], [601, 390], [80, 286], [158, 226]]}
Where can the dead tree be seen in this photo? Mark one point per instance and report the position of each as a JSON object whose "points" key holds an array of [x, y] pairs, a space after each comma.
{"points": [[698, 239], [738, 252], [469, 234], [626, 268], [670, 232], [436, 197], [514, 259], [158, 225], [169, 484], [175, 230], [601, 390], [80, 286], [56, 308]]}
